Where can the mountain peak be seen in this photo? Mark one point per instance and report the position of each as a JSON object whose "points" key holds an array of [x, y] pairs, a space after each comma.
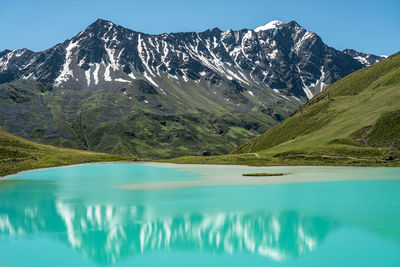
{"points": [[102, 22], [99, 27], [294, 23], [270, 25]]}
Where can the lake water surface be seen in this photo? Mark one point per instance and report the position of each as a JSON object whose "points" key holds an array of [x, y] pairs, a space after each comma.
{"points": [[126, 214]]}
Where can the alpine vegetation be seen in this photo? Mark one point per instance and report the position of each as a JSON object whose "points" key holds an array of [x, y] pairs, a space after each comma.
{"points": [[112, 89]]}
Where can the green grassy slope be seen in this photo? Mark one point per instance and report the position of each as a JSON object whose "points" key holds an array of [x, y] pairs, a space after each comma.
{"points": [[356, 121], [139, 119], [18, 154]]}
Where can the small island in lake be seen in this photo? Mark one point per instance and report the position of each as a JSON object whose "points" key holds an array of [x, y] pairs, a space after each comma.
{"points": [[264, 174]]}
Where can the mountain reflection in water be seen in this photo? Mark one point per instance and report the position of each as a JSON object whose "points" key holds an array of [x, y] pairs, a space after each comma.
{"points": [[109, 232]]}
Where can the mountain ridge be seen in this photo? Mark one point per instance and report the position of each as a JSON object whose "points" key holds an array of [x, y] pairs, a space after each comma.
{"points": [[105, 34], [121, 91], [355, 121]]}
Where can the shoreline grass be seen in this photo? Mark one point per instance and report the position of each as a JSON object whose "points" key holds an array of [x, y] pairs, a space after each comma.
{"points": [[18, 154]]}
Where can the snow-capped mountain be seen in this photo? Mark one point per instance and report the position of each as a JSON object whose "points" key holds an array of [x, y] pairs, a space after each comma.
{"points": [[115, 90], [278, 56]]}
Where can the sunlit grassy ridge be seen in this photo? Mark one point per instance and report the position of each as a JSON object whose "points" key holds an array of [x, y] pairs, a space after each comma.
{"points": [[356, 121], [18, 154]]}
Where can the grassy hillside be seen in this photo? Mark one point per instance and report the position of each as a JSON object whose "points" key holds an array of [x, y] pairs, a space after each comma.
{"points": [[18, 154], [140, 120], [356, 121]]}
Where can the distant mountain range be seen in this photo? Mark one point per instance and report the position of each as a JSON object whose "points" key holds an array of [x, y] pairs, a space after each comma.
{"points": [[116, 90], [278, 55]]}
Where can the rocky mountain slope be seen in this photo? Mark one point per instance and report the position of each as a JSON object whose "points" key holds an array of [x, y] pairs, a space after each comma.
{"points": [[355, 121], [116, 90], [278, 55], [365, 59], [362, 108]]}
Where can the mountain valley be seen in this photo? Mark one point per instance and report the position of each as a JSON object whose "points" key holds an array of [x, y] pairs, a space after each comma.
{"points": [[111, 89]]}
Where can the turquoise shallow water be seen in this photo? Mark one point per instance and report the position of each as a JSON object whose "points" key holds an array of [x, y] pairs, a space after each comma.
{"points": [[81, 216]]}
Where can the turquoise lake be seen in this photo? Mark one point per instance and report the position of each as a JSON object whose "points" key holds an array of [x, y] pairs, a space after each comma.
{"points": [[122, 214]]}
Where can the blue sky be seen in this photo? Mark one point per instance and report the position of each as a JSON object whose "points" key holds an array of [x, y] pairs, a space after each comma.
{"points": [[367, 26]]}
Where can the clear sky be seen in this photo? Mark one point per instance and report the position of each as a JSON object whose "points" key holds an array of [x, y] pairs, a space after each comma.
{"points": [[367, 26]]}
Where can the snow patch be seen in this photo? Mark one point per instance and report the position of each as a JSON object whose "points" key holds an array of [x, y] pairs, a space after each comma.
{"points": [[170, 76], [150, 79], [226, 34], [185, 78], [19, 53], [362, 60], [110, 53], [300, 43], [107, 76], [280, 94], [122, 80], [270, 25], [215, 42], [96, 73], [321, 80], [142, 51], [132, 75], [307, 90], [66, 72], [273, 54], [28, 64], [237, 76]]}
